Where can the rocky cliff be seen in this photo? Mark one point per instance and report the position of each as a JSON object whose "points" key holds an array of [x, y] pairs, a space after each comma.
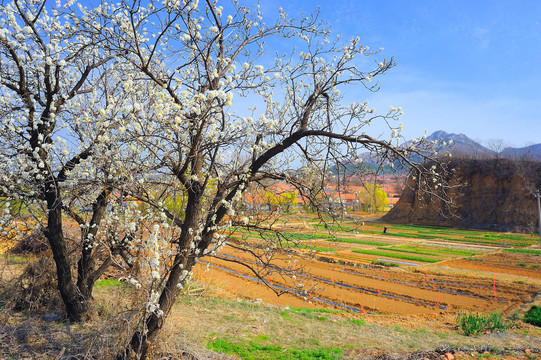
{"points": [[494, 194]]}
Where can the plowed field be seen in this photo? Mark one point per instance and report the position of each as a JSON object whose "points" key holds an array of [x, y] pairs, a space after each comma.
{"points": [[488, 281]]}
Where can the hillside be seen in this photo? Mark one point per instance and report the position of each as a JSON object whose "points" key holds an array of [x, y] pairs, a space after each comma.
{"points": [[494, 194]]}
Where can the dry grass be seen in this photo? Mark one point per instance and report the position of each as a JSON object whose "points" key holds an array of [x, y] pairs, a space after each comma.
{"points": [[35, 290], [23, 336], [31, 316], [199, 320], [32, 324]]}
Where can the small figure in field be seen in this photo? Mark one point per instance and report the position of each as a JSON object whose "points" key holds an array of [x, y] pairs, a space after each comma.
{"points": [[385, 229]]}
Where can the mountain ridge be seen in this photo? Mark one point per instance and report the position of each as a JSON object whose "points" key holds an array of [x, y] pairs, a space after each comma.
{"points": [[459, 146], [463, 146]]}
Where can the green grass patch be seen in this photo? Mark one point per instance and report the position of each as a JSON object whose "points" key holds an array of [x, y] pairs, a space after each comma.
{"points": [[396, 256], [436, 251], [500, 237], [440, 230], [524, 251], [309, 247], [477, 324], [446, 238], [533, 316], [303, 236], [335, 228], [257, 349], [413, 232], [291, 236], [309, 313], [310, 310], [479, 241], [418, 252], [450, 234], [107, 283], [425, 228], [400, 330], [413, 235], [359, 322]]}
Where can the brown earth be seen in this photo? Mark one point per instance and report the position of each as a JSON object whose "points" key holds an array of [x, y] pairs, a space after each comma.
{"points": [[426, 296], [496, 283], [494, 194]]}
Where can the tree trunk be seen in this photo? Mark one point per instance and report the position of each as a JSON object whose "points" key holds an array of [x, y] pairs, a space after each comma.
{"points": [[184, 260], [76, 304], [87, 274], [141, 340]]}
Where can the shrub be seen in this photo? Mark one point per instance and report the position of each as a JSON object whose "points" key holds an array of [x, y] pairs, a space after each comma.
{"points": [[533, 316], [476, 324], [36, 290]]}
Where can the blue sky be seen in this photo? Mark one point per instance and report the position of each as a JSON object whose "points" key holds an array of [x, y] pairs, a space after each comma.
{"points": [[471, 67]]}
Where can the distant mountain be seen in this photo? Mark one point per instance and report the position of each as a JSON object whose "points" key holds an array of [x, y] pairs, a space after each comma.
{"points": [[532, 152], [459, 146], [464, 147]]}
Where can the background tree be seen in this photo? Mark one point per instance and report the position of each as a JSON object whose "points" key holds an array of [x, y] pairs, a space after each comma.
{"points": [[281, 202], [372, 198], [288, 200], [271, 200]]}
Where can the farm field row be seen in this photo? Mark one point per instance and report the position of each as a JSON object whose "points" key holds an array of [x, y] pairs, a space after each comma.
{"points": [[361, 271]]}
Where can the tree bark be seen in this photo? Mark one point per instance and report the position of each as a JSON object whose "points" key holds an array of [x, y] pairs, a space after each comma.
{"points": [[75, 302], [141, 340], [87, 274], [184, 260]]}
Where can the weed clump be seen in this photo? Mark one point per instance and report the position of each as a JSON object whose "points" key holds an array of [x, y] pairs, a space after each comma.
{"points": [[477, 324], [35, 243], [35, 290], [533, 316]]}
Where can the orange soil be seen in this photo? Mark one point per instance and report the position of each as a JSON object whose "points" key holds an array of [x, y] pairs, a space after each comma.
{"points": [[502, 263], [392, 290]]}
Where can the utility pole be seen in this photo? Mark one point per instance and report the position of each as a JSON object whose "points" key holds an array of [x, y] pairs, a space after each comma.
{"points": [[538, 196]]}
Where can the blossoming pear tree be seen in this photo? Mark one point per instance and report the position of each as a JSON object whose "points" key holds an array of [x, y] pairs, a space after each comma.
{"points": [[62, 121], [144, 123], [239, 100]]}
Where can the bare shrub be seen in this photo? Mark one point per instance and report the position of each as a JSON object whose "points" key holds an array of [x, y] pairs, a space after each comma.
{"points": [[33, 243], [35, 290]]}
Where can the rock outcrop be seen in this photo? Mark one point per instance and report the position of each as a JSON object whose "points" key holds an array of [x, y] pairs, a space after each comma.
{"points": [[493, 194]]}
